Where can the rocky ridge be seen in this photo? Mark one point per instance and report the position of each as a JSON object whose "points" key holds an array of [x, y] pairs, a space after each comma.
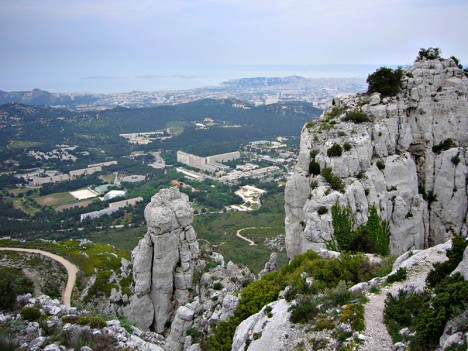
{"points": [[410, 160]]}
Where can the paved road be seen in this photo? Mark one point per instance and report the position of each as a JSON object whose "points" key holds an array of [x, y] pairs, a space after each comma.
{"points": [[72, 270]]}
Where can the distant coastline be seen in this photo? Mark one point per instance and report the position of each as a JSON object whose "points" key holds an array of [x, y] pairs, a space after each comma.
{"points": [[181, 77]]}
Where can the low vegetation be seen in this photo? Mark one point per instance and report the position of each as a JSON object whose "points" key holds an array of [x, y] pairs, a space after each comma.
{"points": [[373, 237], [335, 182], [356, 116], [313, 300], [385, 81], [13, 283], [427, 313]]}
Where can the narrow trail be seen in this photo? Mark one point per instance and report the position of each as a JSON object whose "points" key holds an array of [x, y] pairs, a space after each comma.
{"points": [[239, 235], [377, 337], [376, 331], [72, 270]]}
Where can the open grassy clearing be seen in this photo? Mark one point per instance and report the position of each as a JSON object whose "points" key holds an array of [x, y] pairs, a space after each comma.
{"points": [[108, 178], [22, 144], [220, 230], [125, 239], [55, 199], [176, 127], [25, 206]]}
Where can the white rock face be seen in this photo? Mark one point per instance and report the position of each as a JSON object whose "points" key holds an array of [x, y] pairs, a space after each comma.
{"points": [[260, 332], [163, 261], [390, 164]]}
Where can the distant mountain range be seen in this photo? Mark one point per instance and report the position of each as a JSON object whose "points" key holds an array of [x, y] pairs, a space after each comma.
{"points": [[42, 97]]}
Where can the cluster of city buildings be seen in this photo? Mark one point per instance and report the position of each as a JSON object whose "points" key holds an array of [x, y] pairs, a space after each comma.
{"points": [[144, 138], [41, 176], [209, 164], [112, 208]]}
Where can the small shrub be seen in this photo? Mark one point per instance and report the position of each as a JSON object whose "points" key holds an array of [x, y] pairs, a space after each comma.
{"points": [[335, 182], [304, 310], [343, 221], [366, 191], [429, 54], [347, 146], [314, 184], [217, 286], [356, 117], [341, 133], [443, 146], [361, 175], [333, 112], [31, 314], [335, 150], [338, 295], [456, 159], [313, 153], [385, 81], [92, 321], [13, 283], [8, 342], [322, 210], [380, 165], [443, 269], [398, 276], [314, 168]]}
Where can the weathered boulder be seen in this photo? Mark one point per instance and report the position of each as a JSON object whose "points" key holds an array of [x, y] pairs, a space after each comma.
{"points": [[409, 160], [163, 261]]}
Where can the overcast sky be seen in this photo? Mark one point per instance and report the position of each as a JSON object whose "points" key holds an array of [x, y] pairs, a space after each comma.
{"points": [[104, 45]]}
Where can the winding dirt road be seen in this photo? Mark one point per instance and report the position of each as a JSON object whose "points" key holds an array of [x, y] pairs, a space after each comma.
{"points": [[239, 235], [72, 270]]}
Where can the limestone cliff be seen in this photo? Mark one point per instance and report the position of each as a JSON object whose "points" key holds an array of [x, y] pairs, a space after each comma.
{"points": [[409, 159], [163, 261]]}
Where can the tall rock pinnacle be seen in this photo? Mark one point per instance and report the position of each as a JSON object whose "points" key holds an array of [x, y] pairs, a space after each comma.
{"points": [[163, 261]]}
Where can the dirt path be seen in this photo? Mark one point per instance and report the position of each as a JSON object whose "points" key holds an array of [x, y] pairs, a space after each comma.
{"points": [[72, 270], [418, 266], [376, 331], [239, 235]]}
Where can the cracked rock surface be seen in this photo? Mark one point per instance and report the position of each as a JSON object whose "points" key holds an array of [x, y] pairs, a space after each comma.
{"points": [[391, 163]]}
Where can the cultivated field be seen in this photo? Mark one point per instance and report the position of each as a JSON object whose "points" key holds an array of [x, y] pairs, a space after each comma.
{"points": [[55, 199]]}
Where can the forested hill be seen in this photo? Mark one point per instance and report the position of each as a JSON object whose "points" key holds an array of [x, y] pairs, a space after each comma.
{"points": [[234, 124]]}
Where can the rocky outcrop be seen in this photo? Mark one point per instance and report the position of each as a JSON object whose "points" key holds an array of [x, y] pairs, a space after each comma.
{"points": [[163, 261], [401, 161]]}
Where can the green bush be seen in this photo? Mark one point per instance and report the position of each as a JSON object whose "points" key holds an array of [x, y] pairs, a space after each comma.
{"points": [[8, 342], [456, 159], [443, 269], [335, 182], [13, 283], [401, 311], [379, 231], [314, 168], [429, 54], [304, 310], [451, 298], [92, 321], [333, 112], [443, 146], [31, 314], [380, 165], [356, 117], [385, 81], [343, 221], [217, 286], [374, 237], [335, 150], [347, 146], [322, 210], [398, 276]]}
